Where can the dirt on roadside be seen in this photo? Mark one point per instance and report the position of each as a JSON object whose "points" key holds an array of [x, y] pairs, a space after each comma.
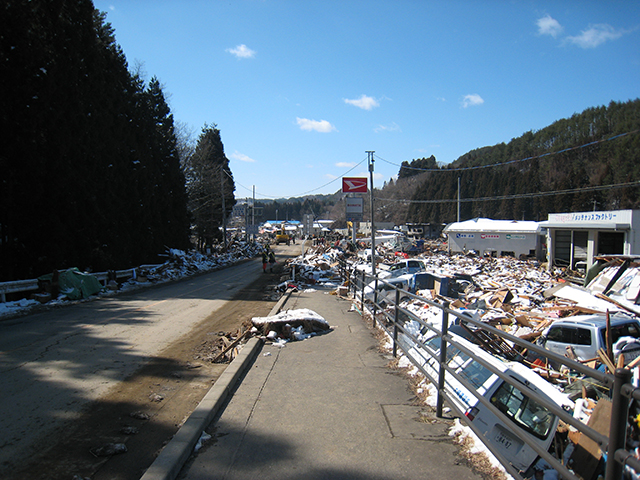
{"points": [[147, 409]]}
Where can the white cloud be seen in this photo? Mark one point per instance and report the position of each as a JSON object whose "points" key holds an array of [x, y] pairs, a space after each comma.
{"points": [[330, 177], [242, 157], [548, 25], [394, 127], [319, 126], [242, 51], [364, 102], [595, 35], [345, 165], [472, 100]]}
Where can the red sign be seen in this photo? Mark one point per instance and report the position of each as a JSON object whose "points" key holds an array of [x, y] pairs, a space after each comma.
{"points": [[354, 185]]}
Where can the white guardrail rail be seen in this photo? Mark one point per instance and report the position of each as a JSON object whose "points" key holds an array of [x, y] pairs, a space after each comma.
{"points": [[31, 285]]}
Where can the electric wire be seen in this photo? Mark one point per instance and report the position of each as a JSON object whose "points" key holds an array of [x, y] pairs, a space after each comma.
{"points": [[509, 162], [477, 167], [309, 191], [519, 195]]}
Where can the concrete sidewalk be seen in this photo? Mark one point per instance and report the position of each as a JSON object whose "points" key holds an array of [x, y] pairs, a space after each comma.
{"points": [[325, 408]]}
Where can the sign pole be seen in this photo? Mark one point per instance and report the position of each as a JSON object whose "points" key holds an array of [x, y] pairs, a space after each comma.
{"points": [[353, 231]]}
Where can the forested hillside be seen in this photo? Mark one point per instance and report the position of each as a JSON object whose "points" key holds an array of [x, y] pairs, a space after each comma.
{"points": [[586, 162], [90, 173]]}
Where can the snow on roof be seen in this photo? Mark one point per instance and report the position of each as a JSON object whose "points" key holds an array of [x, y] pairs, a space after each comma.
{"points": [[489, 225]]}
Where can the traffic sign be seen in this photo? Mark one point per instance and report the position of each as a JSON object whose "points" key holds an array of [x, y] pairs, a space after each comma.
{"points": [[354, 185], [354, 208]]}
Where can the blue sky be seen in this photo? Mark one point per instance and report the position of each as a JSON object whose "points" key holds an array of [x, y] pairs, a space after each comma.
{"points": [[300, 90]]}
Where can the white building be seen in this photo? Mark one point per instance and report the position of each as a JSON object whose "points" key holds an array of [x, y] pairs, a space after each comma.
{"points": [[495, 237], [365, 227], [575, 239]]}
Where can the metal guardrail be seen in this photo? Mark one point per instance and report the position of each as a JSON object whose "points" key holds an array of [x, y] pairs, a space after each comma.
{"points": [[31, 285], [622, 391], [17, 287]]}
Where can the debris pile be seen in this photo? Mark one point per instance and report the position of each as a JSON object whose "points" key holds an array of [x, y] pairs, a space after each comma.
{"points": [[181, 263], [523, 298], [223, 347], [290, 325], [178, 265], [318, 265], [516, 295]]}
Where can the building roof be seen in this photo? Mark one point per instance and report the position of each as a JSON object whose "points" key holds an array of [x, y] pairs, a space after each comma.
{"points": [[489, 225]]}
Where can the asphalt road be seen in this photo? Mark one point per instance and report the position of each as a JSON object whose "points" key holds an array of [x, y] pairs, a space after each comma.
{"points": [[54, 363]]}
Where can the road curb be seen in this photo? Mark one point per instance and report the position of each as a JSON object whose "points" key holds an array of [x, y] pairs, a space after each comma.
{"points": [[172, 458], [278, 306]]}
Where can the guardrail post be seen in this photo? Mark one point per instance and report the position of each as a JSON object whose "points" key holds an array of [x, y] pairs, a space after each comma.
{"points": [[362, 293], [618, 427], [395, 324], [375, 302], [443, 359]]}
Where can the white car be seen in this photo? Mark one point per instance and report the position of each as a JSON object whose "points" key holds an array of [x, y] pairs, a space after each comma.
{"points": [[586, 334], [413, 265], [387, 289], [523, 416]]}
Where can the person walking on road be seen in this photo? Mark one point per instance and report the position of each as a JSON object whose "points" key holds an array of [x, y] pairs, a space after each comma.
{"points": [[272, 261], [265, 259]]}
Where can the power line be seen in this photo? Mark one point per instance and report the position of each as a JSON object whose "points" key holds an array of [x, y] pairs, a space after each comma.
{"points": [[509, 162], [520, 195], [462, 169], [310, 191]]}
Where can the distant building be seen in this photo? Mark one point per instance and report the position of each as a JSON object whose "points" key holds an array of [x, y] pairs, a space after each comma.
{"points": [[496, 237], [365, 227], [416, 231], [319, 228], [575, 239]]}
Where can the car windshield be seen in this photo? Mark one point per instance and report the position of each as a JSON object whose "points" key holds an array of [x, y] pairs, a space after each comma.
{"points": [[475, 373], [625, 330], [523, 411]]}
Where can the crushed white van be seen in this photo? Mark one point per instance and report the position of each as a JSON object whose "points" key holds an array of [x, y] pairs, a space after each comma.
{"points": [[527, 418]]}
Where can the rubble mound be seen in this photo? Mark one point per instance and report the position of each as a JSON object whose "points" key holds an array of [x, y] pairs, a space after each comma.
{"points": [[291, 325]]}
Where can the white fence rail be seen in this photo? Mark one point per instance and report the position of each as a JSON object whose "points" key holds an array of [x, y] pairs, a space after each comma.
{"points": [[31, 285], [17, 287]]}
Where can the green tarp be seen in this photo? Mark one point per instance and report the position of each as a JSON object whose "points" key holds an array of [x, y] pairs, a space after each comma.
{"points": [[75, 284]]}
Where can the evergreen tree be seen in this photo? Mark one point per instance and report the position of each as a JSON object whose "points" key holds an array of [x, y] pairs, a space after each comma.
{"points": [[209, 178], [90, 174], [416, 167]]}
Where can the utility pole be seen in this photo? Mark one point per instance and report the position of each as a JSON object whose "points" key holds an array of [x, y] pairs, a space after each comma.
{"points": [[458, 199], [373, 228], [253, 215], [224, 212], [246, 220]]}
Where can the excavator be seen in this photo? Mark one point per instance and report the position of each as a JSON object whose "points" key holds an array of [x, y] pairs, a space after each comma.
{"points": [[282, 236]]}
